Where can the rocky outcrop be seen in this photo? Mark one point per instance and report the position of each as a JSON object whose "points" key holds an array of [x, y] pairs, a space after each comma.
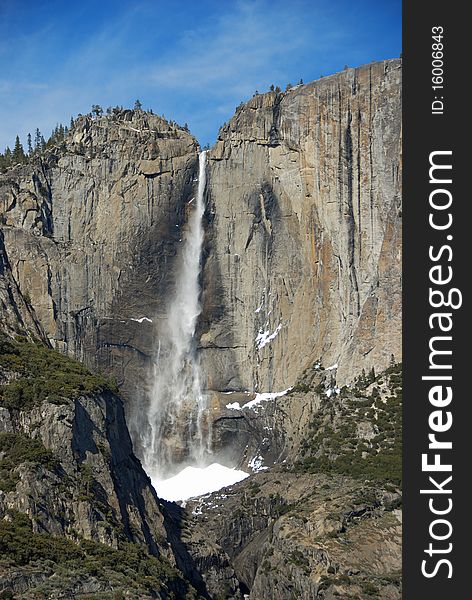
{"points": [[67, 466], [307, 536], [321, 515], [303, 258], [91, 230]]}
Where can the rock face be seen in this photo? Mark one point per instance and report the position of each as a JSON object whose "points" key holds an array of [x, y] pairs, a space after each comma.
{"points": [[304, 233], [67, 466], [86, 434], [321, 516], [16, 315], [302, 253], [301, 286], [311, 536], [91, 231]]}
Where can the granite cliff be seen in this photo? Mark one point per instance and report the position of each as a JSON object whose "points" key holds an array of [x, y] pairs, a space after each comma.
{"points": [[304, 237], [302, 255], [301, 287], [90, 230]]}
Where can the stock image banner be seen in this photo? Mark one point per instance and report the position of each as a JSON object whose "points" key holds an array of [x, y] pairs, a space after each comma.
{"points": [[436, 320]]}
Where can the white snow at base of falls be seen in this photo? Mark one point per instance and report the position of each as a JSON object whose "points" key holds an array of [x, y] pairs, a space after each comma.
{"points": [[258, 399], [197, 481]]}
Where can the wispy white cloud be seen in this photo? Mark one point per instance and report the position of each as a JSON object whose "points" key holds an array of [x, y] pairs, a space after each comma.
{"points": [[241, 48], [193, 62]]}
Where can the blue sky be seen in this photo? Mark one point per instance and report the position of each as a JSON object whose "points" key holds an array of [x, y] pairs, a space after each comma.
{"points": [[193, 61]]}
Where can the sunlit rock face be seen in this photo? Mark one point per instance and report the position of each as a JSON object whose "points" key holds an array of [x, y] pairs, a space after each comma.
{"points": [[304, 234], [91, 232], [299, 285], [301, 254]]}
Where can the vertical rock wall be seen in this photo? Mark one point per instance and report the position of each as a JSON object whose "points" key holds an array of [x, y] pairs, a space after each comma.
{"points": [[304, 234], [91, 230]]}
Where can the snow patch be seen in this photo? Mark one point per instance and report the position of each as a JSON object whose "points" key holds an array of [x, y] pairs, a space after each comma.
{"points": [[234, 406], [258, 399], [257, 464], [264, 337], [141, 319], [261, 305], [197, 481], [265, 396], [332, 367]]}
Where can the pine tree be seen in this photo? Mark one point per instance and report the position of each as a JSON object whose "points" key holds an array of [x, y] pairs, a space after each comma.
{"points": [[5, 160], [97, 110], [18, 154], [29, 144], [138, 105], [37, 140]]}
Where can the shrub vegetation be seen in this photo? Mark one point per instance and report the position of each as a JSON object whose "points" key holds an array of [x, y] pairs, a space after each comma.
{"points": [[129, 566], [16, 449], [335, 446], [44, 374]]}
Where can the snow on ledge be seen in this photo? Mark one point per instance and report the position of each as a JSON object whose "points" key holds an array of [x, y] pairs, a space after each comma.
{"points": [[257, 464], [264, 337], [141, 319], [330, 391], [258, 399], [234, 406], [197, 481]]}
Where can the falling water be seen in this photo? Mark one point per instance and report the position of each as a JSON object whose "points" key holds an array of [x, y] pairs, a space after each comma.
{"points": [[177, 431]]}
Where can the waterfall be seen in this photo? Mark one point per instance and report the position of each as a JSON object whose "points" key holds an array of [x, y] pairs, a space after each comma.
{"points": [[177, 432]]}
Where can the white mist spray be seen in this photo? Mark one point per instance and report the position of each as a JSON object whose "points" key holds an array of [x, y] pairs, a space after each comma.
{"points": [[177, 430]]}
